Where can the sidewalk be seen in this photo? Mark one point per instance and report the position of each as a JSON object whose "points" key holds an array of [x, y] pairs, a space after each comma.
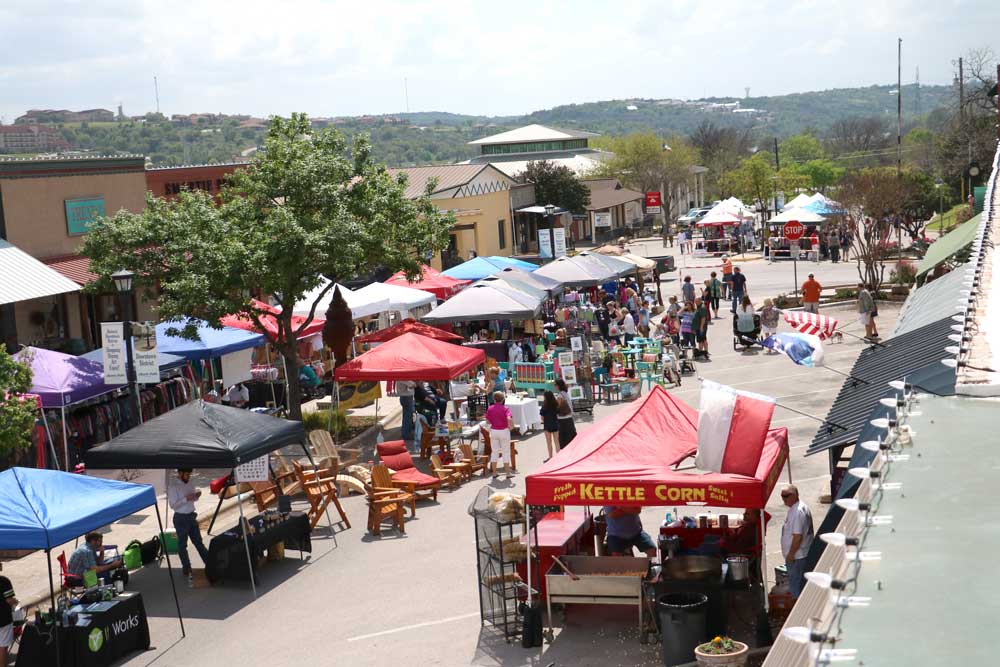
{"points": [[30, 573]]}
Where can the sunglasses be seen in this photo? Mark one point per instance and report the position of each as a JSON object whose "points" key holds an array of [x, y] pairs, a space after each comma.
{"points": [[787, 495]]}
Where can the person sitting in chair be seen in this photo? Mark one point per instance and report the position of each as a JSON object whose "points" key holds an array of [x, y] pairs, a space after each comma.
{"points": [[625, 531], [90, 556]]}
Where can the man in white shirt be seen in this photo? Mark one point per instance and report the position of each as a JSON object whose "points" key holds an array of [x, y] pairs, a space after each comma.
{"points": [[682, 240], [181, 494], [404, 389], [796, 538], [628, 326], [238, 396]]}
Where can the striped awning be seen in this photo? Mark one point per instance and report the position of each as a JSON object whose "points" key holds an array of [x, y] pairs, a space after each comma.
{"points": [[811, 323], [22, 277]]}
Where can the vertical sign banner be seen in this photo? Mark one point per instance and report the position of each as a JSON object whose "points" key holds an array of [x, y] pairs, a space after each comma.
{"points": [[113, 343], [81, 213], [652, 202], [545, 243], [256, 470], [602, 219], [559, 241], [147, 366]]}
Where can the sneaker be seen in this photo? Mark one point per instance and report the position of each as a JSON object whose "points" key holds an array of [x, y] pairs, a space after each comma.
{"points": [[495, 476]]}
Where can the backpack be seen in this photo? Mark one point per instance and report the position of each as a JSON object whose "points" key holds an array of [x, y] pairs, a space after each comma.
{"points": [[150, 550]]}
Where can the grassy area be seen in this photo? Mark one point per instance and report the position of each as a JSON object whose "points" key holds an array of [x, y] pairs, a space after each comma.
{"points": [[941, 223]]}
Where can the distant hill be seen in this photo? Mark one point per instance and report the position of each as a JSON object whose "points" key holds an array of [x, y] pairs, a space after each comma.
{"points": [[433, 137]]}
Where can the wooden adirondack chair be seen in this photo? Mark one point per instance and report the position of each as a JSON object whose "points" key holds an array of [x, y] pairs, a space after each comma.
{"points": [[475, 461], [320, 490], [323, 445], [448, 476], [385, 504], [382, 481], [265, 494]]}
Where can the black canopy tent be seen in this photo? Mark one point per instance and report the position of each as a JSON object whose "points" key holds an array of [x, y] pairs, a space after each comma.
{"points": [[200, 435]]}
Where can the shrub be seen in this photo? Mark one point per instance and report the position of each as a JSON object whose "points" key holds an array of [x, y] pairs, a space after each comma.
{"points": [[845, 293], [905, 273], [321, 419]]}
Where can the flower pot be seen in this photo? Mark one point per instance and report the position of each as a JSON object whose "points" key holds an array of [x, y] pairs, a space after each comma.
{"points": [[734, 659]]}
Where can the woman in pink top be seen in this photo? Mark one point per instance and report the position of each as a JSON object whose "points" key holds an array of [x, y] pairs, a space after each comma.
{"points": [[501, 422]]}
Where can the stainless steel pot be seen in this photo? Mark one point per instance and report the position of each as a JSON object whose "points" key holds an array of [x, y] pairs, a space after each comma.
{"points": [[739, 567], [691, 567]]}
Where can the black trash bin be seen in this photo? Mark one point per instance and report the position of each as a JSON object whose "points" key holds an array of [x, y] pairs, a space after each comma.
{"points": [[683, 626]]}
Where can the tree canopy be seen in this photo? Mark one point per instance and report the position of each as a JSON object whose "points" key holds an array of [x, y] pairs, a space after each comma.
{"points": [[17, 415], [307, 208], [558, 185]]}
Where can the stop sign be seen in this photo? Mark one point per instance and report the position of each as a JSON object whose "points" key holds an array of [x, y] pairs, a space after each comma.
{"points": [[793, 230]]}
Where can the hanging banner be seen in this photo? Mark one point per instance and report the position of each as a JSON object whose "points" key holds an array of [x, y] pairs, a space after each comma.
{"points": [[602, 219], [559, 241], [147, 366], [256, 470], [113, 344], [357, 394], [545, 243]]}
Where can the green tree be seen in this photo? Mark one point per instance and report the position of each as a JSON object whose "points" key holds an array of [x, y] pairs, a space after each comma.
{"points": [[308, 207], [558, 185], [801, 148], [821, 174], [17, 415]]}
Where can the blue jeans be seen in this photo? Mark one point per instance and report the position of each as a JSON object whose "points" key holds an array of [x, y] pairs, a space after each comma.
{"points": [[737, 297], [186, 526], [796, 576], [407, 403]]}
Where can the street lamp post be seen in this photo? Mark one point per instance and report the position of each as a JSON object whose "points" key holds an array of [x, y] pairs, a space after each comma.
{"points": [[550, 211], [123, 283]]}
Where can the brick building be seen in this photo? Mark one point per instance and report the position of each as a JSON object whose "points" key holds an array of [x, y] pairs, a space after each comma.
{"points": [[30, 139]]}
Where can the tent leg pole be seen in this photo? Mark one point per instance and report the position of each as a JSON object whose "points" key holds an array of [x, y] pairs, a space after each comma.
{"points": [[170, 573], [326, 510], [788, 462], [48, 433], [52, 601], [246, 544], [65, 439], [274, 398], [527, 518], [763, 560]]}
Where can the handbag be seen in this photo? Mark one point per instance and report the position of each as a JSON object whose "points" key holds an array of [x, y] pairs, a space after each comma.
{"points": [[150, 550], [132, 556]]}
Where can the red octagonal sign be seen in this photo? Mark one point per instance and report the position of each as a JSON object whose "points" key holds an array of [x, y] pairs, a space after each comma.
{"points": [[793, 230]]}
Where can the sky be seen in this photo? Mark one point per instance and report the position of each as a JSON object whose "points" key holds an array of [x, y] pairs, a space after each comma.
{"points": [[331, 58]]}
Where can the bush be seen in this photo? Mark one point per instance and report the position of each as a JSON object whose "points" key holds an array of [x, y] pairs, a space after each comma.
{"points": [[845, 293], [321, 420], [905, 273]]}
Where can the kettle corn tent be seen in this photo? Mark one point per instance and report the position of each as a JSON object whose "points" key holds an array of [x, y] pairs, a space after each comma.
{"points": [[200, 435], [43, 509], [630, 459]]}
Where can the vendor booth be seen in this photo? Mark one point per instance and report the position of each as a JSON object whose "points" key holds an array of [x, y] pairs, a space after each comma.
{"points": [[485, 301], [269, 321], [631, 459], [411, 357], [552, 286], [404, 302], [621, 267], [778, 245], [43, 509], [361, 305], [572, 272], [208, 435], [430, 280], [66, 383], [408, 326], [480, 267]]}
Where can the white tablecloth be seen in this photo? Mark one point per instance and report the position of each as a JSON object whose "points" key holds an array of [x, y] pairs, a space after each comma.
{"points": [[525, 412]]}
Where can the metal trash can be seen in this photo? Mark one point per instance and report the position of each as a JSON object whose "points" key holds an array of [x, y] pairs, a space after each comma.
{"points": [[683, 626]]}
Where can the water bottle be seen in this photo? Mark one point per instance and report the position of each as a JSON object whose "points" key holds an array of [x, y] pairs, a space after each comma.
{"points": [[668, 519]]}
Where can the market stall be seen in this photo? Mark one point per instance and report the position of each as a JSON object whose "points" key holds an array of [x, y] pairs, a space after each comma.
{"points": [[404, 302], [408, 325], [65, 383], [226, 352], [714, 238], [621, 267], [430, 280], [572, 272], [43, 509], [778, 245], [361, 305], [411, 357], [478, 268], [203, 435], [486, 301], [552, 286], [630, 460]]}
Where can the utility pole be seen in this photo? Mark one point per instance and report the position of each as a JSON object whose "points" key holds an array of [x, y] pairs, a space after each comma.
{"points": [[961, 108], [406, 93], [899, 107], [777, 168], [156, 89]]}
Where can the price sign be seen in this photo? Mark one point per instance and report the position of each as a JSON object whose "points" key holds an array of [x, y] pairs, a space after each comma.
{"points": [[253, 471]]}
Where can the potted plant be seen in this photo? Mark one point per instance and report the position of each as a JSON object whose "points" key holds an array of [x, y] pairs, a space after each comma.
{"points": [[722, 651]]}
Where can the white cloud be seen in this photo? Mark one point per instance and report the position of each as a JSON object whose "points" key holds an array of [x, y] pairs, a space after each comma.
{"points": [[338, 57]]}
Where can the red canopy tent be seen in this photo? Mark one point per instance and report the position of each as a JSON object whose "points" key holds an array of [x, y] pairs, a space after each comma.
{"points": [[431, 280], [411, 357], [409, 325], [628, 459], [270, 322]]}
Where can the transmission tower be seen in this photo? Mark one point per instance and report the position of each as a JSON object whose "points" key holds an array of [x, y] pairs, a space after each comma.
{"points": [[916, 96]]}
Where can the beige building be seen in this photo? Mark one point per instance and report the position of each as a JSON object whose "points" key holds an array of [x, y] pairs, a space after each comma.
{"points": [[511, 151], [46, 207], [481, 197], [613, 209]]}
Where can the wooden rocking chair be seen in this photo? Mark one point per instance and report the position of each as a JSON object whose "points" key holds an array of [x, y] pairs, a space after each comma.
{"points": [[320, 490], [448, 476]]}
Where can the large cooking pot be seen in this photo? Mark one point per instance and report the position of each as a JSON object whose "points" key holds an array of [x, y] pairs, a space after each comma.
{"points": [[691, 567], [739, 567]]}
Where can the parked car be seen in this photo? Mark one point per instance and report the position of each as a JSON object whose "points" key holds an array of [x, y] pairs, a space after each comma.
{"points": [[693, 216]]}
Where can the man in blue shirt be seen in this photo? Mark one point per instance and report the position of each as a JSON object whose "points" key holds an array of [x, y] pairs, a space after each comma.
{"points": [[625, 531], [90, 556]]}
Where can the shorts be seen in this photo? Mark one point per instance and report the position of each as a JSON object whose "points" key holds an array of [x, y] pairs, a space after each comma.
{"points": [[810, 306], [7, 635], [700, 337], [768, 330], [499, 445], [688, 339], [623, 545]]}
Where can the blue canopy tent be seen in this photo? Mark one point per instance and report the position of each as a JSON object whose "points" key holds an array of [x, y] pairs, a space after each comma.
{"points": [[824, 207], [480, 267], [211, 342], [166, 362], [42, 509]]}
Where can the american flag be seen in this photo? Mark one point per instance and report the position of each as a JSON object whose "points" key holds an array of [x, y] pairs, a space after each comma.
{"points": [[811, 323]]}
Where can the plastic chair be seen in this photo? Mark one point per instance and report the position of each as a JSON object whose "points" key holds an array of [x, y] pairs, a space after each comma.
{"points": [[647, 374]]}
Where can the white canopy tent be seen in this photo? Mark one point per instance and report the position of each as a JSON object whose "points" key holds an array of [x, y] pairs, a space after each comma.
{"points": [[361, 305], [401, 299], [799, 201], [805, 216]]}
